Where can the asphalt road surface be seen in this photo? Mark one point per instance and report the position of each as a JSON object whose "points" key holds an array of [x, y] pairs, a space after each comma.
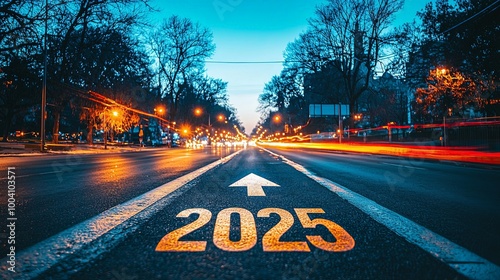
{"points": [[253, 213]]}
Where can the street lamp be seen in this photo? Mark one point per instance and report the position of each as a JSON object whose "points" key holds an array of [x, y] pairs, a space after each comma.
{"points": [[198, 112], [159, 112], [113, 114]]}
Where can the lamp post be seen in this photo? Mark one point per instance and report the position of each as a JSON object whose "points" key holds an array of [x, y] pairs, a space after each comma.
{"points": [[199, 112], [159, 112], [114, 114], [277, 120], [105, 133]]}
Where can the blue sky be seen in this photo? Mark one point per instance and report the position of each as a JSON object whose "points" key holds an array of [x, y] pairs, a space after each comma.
{"points": [[252, 30]]}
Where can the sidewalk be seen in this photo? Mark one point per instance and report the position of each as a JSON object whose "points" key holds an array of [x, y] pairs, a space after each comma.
{"points": [[33, 149]]}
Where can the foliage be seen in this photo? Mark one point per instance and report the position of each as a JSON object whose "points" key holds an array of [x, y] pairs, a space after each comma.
{"points": [[337, 56], [18, 30], [461, 38], [18, 88], [94, 46], [449, 93], [180, 48]]}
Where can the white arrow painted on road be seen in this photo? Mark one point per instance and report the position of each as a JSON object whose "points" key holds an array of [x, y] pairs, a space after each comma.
{"points": [[254, 184]]}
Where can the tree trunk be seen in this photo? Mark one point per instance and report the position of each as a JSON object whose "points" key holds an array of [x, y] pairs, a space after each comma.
{"points": [[8, 122], [55, 128], [90, 128]]}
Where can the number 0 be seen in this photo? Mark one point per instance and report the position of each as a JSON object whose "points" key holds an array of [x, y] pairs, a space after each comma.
{"points": [[222, 230]]}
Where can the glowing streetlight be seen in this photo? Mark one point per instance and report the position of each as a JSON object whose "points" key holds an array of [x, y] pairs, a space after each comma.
{"points": [[160, 111], [114, 114]]}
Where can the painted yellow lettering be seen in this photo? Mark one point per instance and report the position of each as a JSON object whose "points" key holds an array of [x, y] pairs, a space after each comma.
{"points": [[171, 243], [222, 230], [271, 240], [344, 241]]}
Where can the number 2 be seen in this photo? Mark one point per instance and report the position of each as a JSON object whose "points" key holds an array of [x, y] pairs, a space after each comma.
{"points": [[171, 243], [271, 240]]}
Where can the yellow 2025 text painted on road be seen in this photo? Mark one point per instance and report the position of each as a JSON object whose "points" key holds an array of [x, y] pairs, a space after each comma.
{"points": [[248, 235]]}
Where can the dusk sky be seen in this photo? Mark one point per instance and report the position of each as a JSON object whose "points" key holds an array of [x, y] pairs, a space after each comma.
{"points": [[253, 30]]}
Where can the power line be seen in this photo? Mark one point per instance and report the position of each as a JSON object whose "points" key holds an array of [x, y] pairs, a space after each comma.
{"points": [[245, 62], [473, 16]]}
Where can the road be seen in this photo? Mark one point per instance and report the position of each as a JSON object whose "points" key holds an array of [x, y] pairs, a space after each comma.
{"points": [[55, 192], [260, 214]]}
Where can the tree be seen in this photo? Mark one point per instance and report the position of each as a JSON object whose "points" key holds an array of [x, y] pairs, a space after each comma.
{"points": [[387, 101], [279, 95], [306, 54], [73, 22], [211, 91], [462, 38], [117, 119], [206, 97], [19, 24], [19, 85], [19, 76], [180, 48], [111, 64], [352, 36], [449, 93]]}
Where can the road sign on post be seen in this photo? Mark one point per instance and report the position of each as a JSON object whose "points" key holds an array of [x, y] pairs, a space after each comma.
{"points": [[329, 110]]}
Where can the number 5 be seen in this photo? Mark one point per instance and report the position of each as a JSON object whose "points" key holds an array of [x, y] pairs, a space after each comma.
{"points": [[344, 241]]}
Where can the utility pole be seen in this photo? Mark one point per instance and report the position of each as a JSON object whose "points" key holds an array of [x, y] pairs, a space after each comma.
{"points": [[340, 123], [44, 87]]}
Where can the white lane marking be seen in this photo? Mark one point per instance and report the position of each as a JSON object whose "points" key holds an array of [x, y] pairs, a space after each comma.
{"points": [[460, 259], [254, 184], [106, 229], [404, 166]]}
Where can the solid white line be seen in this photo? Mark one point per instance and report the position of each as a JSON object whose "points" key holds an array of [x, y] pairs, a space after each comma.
{"points": [[462, 260], [110, 227]]}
